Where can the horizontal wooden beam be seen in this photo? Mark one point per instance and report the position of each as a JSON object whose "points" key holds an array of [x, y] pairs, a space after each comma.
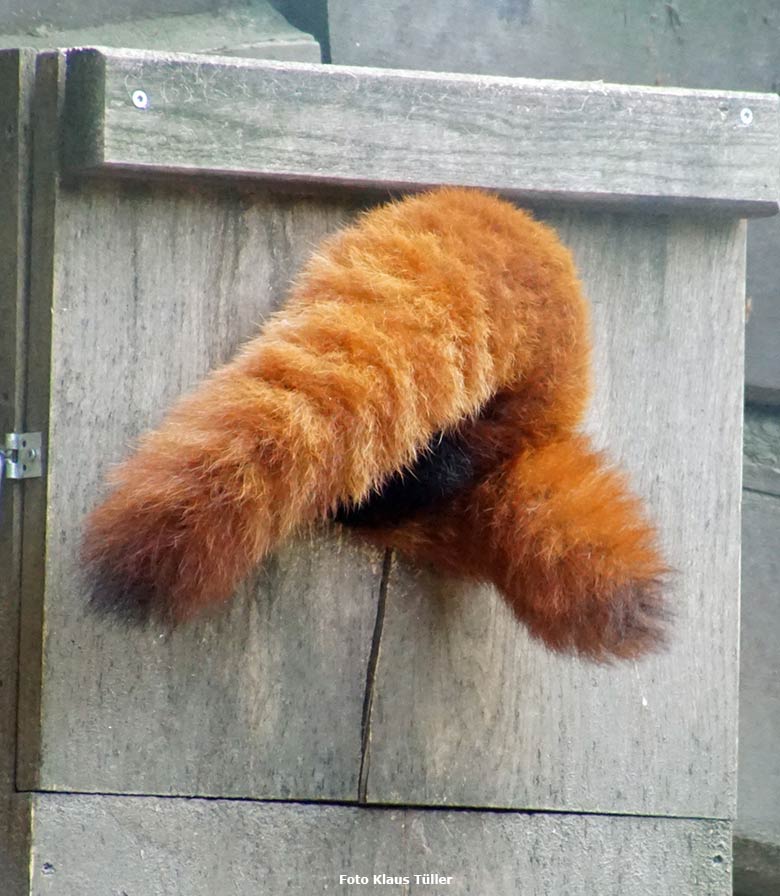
{"points": [[136, 113], [88, 845]]}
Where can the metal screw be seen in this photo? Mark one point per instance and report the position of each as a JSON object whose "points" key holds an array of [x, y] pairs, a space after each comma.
{"points": [[746, 116], [140, 99]]}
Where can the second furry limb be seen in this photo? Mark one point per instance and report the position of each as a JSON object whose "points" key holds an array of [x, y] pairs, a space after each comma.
{"points": [[559, 533]]}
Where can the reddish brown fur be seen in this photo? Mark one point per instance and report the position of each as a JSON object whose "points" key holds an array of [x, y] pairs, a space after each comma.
{"points": [[450, 309]]}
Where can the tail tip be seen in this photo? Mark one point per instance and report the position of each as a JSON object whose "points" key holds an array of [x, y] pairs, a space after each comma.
{"points": [[637, 623]]}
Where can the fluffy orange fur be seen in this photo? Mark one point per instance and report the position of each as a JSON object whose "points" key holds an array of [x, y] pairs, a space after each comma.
{"points": [[448, 310]]}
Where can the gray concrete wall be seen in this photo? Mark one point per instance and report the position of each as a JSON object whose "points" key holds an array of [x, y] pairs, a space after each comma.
{"points": [[757, 840], [44, 15], [257, 30], [759, 746]]}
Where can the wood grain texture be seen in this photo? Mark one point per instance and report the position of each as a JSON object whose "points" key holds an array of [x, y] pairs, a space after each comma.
{"points": [[86, 846], [16, 74], [148, 287], [16, 79], [466, 711], [151, 290], [48, 90], [374, 128]]}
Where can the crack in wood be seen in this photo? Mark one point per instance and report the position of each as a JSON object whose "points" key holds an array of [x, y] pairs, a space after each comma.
{"points": [[373, 660]]}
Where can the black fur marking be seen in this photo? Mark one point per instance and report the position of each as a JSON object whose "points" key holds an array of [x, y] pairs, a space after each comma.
{"points": [[113, 598], [444, 468]]}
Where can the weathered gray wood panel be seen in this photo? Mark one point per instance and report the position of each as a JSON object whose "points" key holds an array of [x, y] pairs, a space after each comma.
{"points": [[149, 290], [93, 845], [16, 77], [45, 110], [377, 128], [16, 74], [458, 679]]}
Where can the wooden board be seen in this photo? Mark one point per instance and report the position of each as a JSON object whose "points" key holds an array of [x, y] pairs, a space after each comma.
{"points": [[85, 846], [459, 686], [16, 81], [297, 123], [150, 289], [16, 76]]}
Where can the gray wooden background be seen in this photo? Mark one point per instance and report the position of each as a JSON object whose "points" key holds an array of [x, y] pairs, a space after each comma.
{"points": [[137, 290]]}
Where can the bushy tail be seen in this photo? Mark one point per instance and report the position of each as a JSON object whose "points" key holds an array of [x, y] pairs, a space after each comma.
{"points": [[400, 327], [559, 533], [278, 439]]}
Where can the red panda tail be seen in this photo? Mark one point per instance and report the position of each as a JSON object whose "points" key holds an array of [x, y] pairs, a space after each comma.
{"points": [[402, 326], [576, 558], [565, 542], [184, 521]]}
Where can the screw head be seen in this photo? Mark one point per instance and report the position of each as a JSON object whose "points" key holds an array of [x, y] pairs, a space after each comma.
{"points": [[140, 99], [746, 116]]}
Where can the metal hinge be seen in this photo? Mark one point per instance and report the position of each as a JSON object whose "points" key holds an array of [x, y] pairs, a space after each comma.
{"points": [[21, 456]]}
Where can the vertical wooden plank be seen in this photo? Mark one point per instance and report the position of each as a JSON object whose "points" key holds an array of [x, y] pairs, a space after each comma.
{"points": [[49, 74], [90, 846], [151, 288], [16, 79], [458, 679], [16, 74]]}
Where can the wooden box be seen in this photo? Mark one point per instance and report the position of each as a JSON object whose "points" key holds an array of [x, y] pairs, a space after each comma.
{"points": [[349, 715]]}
